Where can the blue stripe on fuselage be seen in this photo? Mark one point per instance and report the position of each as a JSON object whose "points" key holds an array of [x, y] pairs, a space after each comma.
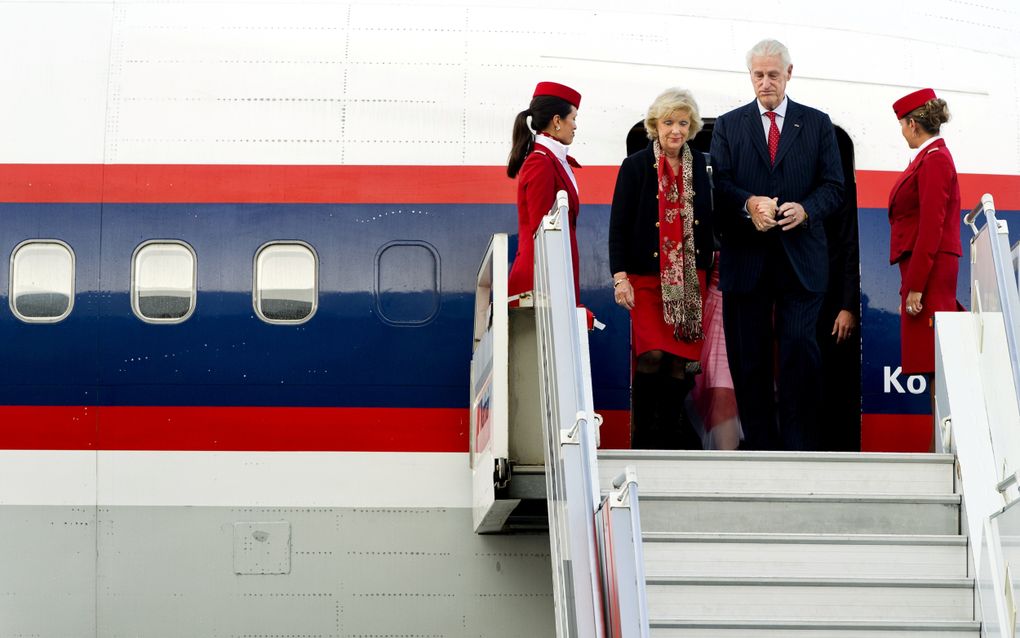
{"points": [[347, 355]]}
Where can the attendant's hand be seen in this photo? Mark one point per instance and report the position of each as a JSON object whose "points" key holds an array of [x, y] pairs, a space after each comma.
{"points": [[763, 212], [791, 215], [623, 292], [914, 305], [844, 325]]}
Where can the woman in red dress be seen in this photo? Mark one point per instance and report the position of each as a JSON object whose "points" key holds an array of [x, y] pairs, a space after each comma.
{"points": [[924, 216], [660, 246], [539, 157]]}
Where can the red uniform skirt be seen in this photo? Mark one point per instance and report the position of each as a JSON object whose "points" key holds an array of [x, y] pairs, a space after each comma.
{"points": [[648, 330], [917, 332]]}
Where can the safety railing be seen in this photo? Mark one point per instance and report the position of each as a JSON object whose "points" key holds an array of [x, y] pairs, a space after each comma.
{"points": [[996, 303], [618, 523], [977, 406], [569, 423]]}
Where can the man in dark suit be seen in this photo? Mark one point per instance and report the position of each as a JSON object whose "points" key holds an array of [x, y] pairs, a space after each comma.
{"points": [[838, 336], [778, 175]]}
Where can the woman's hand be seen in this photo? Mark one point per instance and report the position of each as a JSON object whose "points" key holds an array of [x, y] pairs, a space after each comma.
{"points": [[914, 305], [623, 292]]}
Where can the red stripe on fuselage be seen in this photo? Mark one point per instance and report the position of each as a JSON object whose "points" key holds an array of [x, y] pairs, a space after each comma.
{"points": [[873, 189], [234, 428], [896, 432], [59, 427], [264, 429], [180, 183], [130, 183]]}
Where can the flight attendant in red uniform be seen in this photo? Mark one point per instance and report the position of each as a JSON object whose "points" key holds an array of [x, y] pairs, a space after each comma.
{"points": [[539, 157], [924, 216]]}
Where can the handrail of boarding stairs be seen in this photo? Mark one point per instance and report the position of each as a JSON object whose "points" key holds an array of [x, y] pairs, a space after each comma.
{"points": [[978, 419], [1009, 301], [618, 522], [580, 562]]}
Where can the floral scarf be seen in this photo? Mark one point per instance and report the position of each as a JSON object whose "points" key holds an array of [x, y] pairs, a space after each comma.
{"points": [[681, 292]]}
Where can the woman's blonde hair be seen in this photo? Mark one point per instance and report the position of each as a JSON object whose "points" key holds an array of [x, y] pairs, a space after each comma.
{"points": [[673, 99], [931, 115]]}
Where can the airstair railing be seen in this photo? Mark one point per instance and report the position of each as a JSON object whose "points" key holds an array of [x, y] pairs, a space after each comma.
{"points": [[1001, 271], [619, 528], [567, 420], [996, 302], [977, 408], [570, 426]]}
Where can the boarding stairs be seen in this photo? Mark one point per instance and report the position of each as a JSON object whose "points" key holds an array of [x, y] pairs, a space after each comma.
{"points": [[756, 544], [804, 545]]}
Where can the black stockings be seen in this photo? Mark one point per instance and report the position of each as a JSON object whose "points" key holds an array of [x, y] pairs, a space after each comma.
{"points": [[659, 420]]}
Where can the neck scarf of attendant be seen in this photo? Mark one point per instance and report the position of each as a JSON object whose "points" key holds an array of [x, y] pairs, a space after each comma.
{"points": [[681, 293]]}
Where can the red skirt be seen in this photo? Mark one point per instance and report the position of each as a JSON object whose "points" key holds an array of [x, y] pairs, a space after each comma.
{"points": [[917, 332], [648, 330]]}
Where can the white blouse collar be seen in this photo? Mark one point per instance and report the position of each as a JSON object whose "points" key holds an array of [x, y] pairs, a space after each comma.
{"points": [[928, 142], [557, 147]]}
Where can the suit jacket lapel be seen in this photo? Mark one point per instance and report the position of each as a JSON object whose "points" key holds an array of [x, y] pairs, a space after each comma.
{"points": [[752, 120], [791, 128]]}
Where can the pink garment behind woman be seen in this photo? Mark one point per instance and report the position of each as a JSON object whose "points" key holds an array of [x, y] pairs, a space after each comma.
{"points": [[713, 399]]}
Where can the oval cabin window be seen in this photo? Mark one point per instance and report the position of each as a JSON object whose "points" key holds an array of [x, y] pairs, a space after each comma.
{"points": [[286, 287], [42, 281], [163, 281], [407, 283]]}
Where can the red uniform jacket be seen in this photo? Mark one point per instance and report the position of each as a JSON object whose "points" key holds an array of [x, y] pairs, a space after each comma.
{"points": [[924, 213], [540, 178]]}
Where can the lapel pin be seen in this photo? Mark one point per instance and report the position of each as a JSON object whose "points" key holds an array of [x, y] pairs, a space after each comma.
{"points": [[796, 125]]}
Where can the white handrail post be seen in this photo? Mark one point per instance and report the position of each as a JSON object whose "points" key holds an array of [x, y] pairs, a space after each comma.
{"points": [[567, 419]]}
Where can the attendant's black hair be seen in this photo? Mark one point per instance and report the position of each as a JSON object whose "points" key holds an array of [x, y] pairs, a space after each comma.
{"points": [[541, 111]]}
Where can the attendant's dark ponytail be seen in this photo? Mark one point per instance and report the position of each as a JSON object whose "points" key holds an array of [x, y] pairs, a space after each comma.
{"points": [[542, 110], [522, 143]]}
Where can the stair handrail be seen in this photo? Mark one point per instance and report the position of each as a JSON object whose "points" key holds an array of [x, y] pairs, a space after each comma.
{"points": [[567, 417], [978, 419], [570, 428], [1005, 276], [619, 525], [1004, 299]]}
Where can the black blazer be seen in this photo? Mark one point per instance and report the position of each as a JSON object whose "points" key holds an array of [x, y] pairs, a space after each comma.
{"points": [[844, 292], [808, 170], [633, 235]]}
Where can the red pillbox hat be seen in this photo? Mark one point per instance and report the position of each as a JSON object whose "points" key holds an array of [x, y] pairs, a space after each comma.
{"points": [[908, 103], [559, 90]]}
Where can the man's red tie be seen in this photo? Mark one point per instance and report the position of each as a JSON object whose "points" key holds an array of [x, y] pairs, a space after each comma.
{"points": [[773, 136]]}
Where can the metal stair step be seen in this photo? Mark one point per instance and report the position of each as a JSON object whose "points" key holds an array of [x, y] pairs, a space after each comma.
{"points": [[814, 555], [679, 628], [828, 599], [795, 513], [785, 472]]}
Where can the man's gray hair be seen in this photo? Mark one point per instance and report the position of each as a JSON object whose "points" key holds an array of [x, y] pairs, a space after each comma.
{"points": [[768, 49]]}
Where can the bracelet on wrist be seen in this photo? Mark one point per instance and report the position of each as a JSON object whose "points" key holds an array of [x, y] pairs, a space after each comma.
{"points": [[617, 282]]}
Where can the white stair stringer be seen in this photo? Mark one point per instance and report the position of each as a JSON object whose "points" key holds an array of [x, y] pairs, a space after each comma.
{"points": [[801, 545]]}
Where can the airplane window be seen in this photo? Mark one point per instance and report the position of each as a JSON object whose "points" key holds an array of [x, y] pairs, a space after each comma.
{"points": [[407, 283], [163, 281], [286, 288], [42, 281]]}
